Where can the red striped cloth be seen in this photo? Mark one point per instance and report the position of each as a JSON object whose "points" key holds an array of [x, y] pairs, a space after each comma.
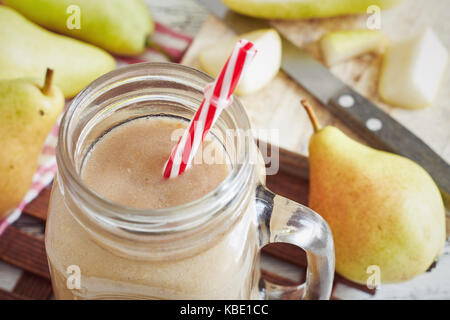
{"points": [[168, 45]]}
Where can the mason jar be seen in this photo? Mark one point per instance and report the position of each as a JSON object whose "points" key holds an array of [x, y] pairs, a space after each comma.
{"points": [[205, 249]]}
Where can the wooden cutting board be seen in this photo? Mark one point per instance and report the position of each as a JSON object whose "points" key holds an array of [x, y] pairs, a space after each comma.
{"points": [[277, 105]]}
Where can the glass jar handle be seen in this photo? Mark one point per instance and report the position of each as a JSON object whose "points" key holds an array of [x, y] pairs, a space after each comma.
{"points": [[283, 220]]}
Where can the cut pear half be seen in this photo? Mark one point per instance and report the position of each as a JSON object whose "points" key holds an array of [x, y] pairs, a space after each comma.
{"points": [[261, 70], [343, 45], [412, 71]]}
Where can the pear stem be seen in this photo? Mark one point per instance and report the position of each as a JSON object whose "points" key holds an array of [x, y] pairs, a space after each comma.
{"points": [[48, 81], [312, 116]]}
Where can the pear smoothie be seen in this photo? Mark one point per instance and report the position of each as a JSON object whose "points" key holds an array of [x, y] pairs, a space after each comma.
{"points": [[122, 224], [125, 167]]}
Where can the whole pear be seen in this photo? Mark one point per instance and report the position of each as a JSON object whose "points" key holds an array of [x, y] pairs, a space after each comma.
{"points": [[118, 26], [304, 9], [384, 210], [28, 112], [412, 71], [27, 50]]}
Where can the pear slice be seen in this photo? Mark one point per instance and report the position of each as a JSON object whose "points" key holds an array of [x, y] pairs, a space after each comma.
{"points": [[412, 71], [342, 45], [263, 68], [304, 9]]}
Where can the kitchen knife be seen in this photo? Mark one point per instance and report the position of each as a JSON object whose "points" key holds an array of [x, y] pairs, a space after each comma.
{"points": [[370, 122]]}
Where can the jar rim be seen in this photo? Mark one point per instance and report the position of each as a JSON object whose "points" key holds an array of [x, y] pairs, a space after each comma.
{"points": [[142, 220]]}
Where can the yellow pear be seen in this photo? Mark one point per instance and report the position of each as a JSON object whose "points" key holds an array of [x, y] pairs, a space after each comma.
{"points": [[304, 9], [121, 27], [385, 211], [28, 112], [27, 50]]}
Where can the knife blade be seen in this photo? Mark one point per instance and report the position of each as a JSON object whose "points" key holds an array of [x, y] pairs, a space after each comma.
{"points": [[361, 115]]}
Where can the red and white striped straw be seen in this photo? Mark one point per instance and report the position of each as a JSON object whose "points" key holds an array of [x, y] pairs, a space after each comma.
{"points": [[217, 97]]}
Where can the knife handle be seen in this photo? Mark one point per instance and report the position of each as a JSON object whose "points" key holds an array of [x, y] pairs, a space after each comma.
{"points": [[383, 132]]}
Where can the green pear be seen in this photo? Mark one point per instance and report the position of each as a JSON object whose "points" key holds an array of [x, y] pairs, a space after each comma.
{"points": [[304, 9], [263, 68], [27, 50], [384, 210], [339, 46], [28, 112], [121, 27]]}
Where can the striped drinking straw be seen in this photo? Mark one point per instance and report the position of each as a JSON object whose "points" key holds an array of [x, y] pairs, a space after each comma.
{"points": [[217, 97]]}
